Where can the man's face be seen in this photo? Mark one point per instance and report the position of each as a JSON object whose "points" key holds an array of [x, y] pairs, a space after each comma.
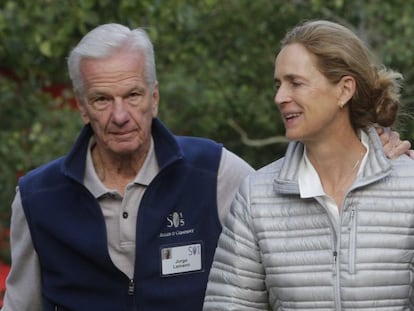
{"points": [[118, 103]]}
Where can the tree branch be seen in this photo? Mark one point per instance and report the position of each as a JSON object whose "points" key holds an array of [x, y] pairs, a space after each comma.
{"points": [[255, 142]]}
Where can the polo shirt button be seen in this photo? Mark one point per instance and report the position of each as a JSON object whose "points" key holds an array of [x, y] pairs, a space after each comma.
{"points": [[125, 215]]}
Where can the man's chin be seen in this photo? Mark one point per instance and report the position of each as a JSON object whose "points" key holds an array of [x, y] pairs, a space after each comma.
{"points": [[125, 148]]}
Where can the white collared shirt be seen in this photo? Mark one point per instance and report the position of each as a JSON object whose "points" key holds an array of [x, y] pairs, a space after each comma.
{"points": [[310, 185]]}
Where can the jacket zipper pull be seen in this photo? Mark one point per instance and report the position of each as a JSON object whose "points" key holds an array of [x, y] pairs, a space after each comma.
{"points": [[352, 216], [131, 287], [335, 255]]}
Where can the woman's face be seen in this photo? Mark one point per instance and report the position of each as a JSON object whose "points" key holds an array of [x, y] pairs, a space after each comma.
{"points": [[308, 102]]}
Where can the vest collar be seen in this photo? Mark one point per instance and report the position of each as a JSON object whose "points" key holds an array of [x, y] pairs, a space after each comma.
{"points": [[166, 148]]}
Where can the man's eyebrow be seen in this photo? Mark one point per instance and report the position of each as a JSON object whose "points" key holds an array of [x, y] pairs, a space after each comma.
{"points": [[291, 77], [136, 88]]}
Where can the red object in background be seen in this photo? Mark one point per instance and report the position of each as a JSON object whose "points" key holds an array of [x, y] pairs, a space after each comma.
{"points": [[8, 74], [4, 268], [4, 271], [59, 90], [56, 90]]}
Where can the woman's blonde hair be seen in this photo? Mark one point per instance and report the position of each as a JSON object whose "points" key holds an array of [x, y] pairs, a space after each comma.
{"points": [[339, 52]]}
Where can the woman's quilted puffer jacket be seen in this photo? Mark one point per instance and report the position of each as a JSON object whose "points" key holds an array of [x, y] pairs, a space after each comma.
{"points": [[280, 252]]}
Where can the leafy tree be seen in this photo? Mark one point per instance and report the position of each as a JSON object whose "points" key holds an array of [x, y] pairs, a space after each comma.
{"points": [[214, 61]]}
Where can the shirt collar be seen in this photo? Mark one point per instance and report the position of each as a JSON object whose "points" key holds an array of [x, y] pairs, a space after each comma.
{"points": [[144, 177], [309, 182]]}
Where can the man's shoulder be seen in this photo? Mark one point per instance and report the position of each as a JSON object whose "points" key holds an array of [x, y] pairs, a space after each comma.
{"points": [[201, 152], [231, 162], [199, 142], [44, 172]]}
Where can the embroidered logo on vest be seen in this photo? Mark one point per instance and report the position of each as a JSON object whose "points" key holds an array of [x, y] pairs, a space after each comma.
{"points": [[175, 221]]}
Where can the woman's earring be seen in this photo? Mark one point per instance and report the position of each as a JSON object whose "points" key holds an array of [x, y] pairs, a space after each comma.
{"points": [[341, 104]]}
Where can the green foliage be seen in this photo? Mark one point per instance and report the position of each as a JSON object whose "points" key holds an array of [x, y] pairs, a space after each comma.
{"points": [[214, 63]]}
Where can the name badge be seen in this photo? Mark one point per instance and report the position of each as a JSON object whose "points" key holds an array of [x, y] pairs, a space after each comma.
{"points": [[181, 259]]}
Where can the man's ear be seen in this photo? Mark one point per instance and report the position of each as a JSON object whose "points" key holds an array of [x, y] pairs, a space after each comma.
{"points": [[82, 110], [155, 100]]}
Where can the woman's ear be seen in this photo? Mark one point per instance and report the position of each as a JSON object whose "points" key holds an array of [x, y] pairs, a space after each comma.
{"points": [[347, 88]]}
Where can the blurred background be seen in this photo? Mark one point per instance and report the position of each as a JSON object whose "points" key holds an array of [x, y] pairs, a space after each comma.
{"points": [[214, 64]]}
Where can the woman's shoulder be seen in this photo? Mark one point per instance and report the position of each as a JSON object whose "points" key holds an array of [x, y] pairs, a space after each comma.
{"points": [[272, 167], [403, 165], [267, 173]]}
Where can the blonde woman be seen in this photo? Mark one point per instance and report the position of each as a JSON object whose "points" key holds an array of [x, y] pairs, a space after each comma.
{"points": [[330, 225]]}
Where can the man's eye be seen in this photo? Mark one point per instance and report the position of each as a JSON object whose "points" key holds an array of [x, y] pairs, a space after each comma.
{"points": [[134, 95], [134, 98], [100, 103], [100, 100]]}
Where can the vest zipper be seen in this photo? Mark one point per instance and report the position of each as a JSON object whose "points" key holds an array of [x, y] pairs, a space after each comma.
{"points": [[131, 287]]}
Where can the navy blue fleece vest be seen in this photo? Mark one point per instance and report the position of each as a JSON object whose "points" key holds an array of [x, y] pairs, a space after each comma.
{"points": [[69, 235]]}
